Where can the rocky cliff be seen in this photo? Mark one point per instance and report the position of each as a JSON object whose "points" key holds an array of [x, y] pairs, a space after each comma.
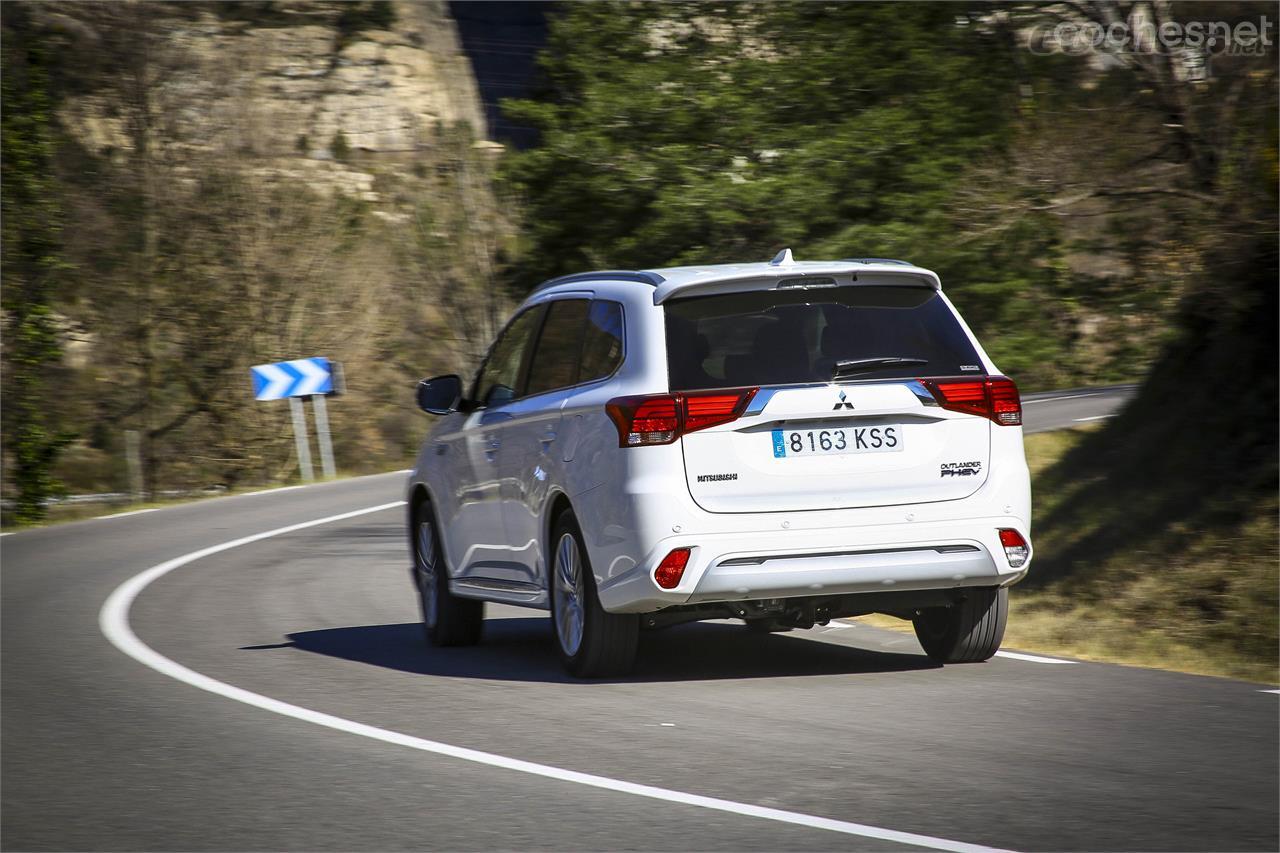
{"points": [[311, 83]]}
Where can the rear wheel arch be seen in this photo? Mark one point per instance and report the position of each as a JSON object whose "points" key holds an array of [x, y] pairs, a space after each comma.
{"points": [[419, 497], [555, 506]]}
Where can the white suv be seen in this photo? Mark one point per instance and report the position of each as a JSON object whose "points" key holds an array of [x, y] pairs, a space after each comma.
{"points": [[783, 443]]}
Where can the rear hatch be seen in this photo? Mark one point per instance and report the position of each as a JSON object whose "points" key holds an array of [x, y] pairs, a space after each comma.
{"points": [[839, 416]]}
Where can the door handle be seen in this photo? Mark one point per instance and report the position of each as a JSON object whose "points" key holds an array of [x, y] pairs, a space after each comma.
{"points": [[491, 449], [494, 444], [548, 437]]}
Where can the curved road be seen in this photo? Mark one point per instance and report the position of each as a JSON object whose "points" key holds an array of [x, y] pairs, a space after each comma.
{"points": [[834, 738]]}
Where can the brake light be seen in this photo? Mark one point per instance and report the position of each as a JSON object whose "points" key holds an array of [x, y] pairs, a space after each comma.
{"points": [[662, 418], [671, 569], [708, 410], [645, 420], [1015, 547], [1006, 405], [995, 397]]}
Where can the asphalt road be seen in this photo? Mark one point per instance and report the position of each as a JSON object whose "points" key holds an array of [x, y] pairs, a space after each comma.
{"points": [[1050, 410], [846, 723]]}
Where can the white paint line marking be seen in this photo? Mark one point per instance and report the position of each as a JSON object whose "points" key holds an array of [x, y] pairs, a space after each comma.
{"points": [[10, 533], [1031, 658], [113, 619], [130, 512], [403, 471], [1056, 399], [1094, 418], [836, 626], [267, 491], [1269, 691]]}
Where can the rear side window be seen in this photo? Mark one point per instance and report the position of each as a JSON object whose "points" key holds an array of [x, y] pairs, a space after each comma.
{"points": [[499, 378], [602, 341], [799, 336], [555, 361]]}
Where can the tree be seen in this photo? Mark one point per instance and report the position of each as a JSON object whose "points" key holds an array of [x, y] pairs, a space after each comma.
{"points": [[31, 264], [704, 133], [679, 133]]}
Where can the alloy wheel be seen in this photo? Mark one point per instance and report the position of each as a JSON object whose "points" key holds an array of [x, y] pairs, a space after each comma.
{"points": [[426, 568], [568, 594]]}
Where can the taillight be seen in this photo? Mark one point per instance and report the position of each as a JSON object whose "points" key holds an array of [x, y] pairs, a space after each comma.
{"points": [[1015, 547], [1006, 405], [645, 420], [662, 418], [712, 409], [995, 398], [671, 569]]}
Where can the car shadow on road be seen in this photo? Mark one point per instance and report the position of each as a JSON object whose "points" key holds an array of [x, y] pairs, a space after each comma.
{"points": [[521, 649]]}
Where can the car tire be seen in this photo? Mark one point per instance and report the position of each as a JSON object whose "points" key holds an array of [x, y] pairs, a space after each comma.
{"points": [[447, 619], [766, 625], [969, 631], [592, 642]]}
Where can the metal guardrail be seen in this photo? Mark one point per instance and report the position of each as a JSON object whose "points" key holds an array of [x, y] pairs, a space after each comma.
{"points": [[124, 497]]}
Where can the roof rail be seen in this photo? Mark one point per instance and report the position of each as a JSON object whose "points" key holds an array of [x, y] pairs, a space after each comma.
{"points": [[876, 261], [650, 278]]}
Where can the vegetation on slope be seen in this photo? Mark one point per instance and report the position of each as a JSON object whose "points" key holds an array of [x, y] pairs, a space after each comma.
{"points": [[152, 254], [1125, 580], [1046, 192]]}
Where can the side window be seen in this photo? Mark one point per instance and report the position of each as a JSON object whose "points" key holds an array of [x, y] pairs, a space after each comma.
{"points": [[602, 342], [555, 361], [499, 379]]}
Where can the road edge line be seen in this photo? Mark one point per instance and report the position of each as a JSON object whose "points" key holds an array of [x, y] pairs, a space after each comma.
{"points": [[113, 620]]}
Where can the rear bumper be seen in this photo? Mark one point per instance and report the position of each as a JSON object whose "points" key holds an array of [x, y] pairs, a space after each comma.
{"points": [[725, 567], [790, 575]]}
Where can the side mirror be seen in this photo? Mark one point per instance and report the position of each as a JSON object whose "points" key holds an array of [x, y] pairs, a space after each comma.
{"points": [[440, 395]]}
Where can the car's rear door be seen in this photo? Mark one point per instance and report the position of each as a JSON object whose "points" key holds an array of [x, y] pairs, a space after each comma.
{"points": [[531, 437], [475, 535], [581, 346]]}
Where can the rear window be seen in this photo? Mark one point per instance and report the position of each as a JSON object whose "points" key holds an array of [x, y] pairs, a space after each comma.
{"points": [[787, 337]]}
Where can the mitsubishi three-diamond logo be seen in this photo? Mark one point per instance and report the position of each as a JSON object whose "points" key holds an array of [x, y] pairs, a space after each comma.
{"points": [[843, 404]]}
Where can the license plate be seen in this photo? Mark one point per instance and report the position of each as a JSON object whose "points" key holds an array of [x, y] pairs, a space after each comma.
{"points": [[834, 442]]}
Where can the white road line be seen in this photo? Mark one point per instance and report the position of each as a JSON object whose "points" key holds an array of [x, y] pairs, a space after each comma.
{"points": [[113, 619], [1056, 399], [1094, 418], [1031, 658], [1269, 691], [267, 491], [130, 512]]}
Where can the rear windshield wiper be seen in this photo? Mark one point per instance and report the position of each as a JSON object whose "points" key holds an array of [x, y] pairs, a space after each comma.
{"points": [[863, 365]]}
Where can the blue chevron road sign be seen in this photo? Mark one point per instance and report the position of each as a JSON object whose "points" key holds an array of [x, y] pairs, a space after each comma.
{"points": [[302, 377]]}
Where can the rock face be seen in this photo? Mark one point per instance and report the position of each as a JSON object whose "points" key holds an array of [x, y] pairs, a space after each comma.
{"points": [[306, 80], [381, 90]]}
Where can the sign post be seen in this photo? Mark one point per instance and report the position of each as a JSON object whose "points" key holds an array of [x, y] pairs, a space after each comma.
{"points": [[302, 377], [300, 437], [322, 434]]}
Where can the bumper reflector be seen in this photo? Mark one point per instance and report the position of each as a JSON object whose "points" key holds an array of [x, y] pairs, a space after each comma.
{"points": [[671, 569], [1016, 550]]}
